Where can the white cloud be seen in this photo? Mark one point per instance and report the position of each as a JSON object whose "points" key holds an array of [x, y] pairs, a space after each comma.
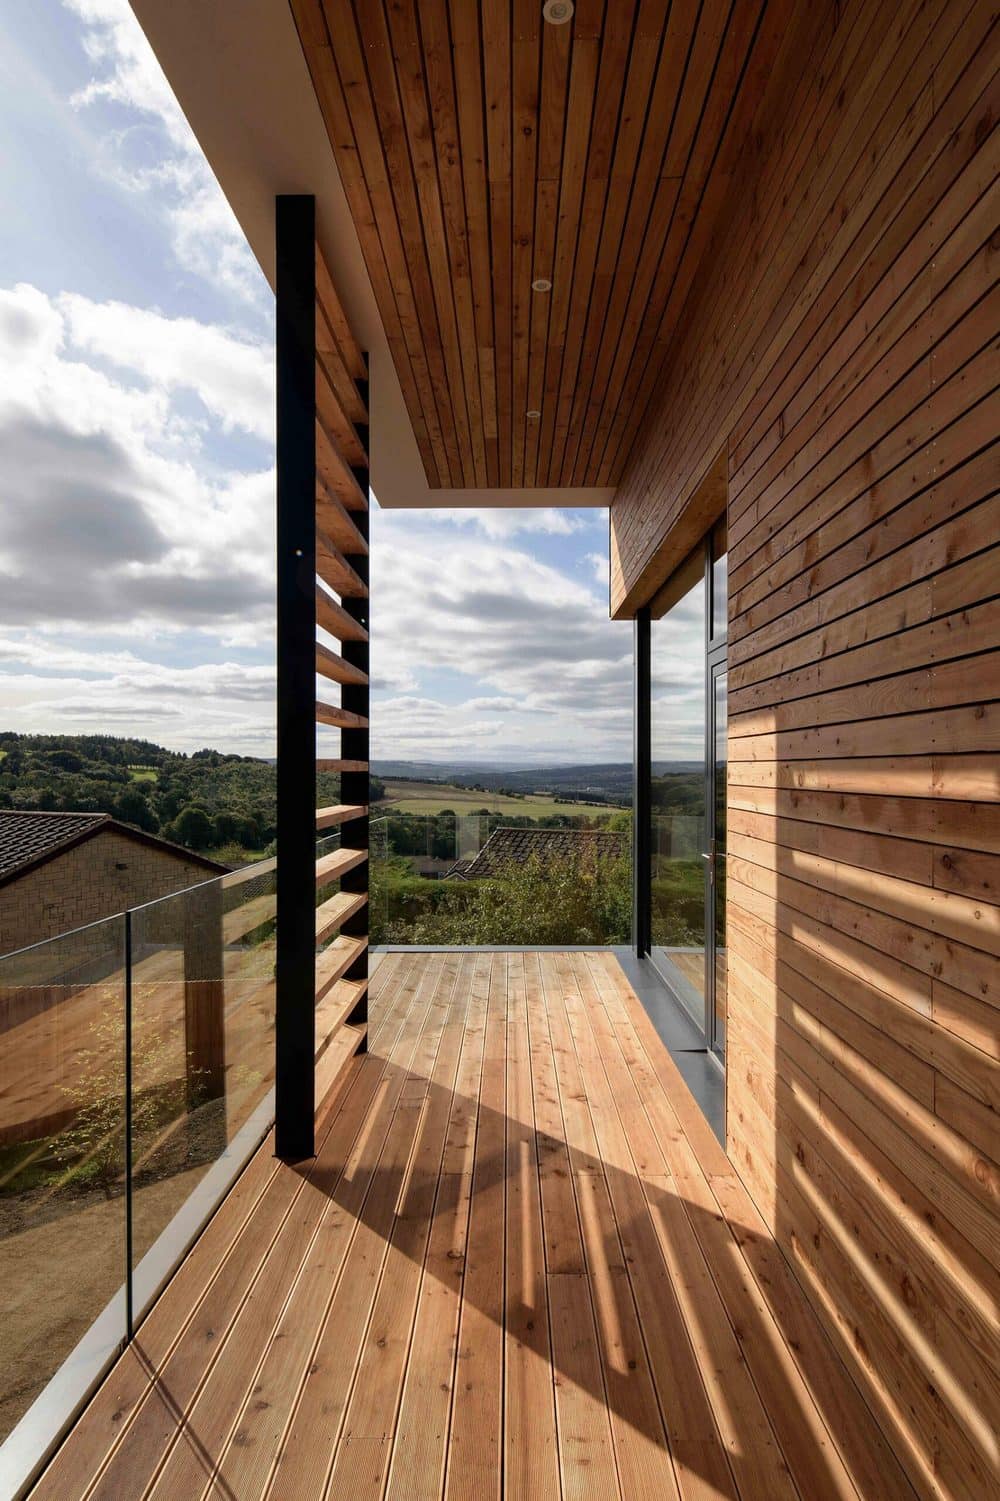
{"points": [[232, 377], [175, 178], [600, 568], [226, 704], [100, 478], [500, 523], [134, 529], [492, 617], [113, 523]]}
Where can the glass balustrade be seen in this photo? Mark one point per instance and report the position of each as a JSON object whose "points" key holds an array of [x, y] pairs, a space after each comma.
{"points": [[136, 1079], [485, 879]]}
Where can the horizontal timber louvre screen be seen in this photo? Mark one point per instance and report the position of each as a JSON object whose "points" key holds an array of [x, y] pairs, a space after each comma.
{"points": [[321, 1011]]}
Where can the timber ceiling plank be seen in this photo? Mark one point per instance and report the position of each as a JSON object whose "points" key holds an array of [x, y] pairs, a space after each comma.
{"points": [[441, 96], [393, 294], [525, 85], [497, 95], [615, 258], [650, 212], [470, 144], [484, 151], [552, 120], [750, 51], [582, 89], [428, 237], [612, 64], [375, 91]]}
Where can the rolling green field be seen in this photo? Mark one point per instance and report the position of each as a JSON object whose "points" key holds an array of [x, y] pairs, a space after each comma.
{"points": [[436, 797]]}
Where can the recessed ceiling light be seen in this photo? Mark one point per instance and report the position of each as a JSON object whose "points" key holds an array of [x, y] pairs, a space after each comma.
{"points": [[557, 12], [532, 416], [541, 284]]}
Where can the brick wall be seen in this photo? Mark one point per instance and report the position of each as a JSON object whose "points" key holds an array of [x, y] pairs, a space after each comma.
{"points": [[96, 879]]}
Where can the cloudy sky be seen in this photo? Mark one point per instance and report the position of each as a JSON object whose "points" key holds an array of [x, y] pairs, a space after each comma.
{"points": [[136, 457]]}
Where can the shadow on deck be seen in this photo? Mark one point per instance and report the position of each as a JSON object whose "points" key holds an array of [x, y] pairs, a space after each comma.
{"points": [[519, 1265]]}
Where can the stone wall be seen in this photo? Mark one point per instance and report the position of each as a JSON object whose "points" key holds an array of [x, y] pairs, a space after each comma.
{"points": [[95, 879]]}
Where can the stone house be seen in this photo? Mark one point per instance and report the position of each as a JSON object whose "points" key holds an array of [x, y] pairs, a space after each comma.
{"points": [[60, 871]]}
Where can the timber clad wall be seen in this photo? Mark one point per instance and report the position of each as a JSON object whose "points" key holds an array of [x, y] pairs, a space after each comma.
{"points": [[838, 347]]}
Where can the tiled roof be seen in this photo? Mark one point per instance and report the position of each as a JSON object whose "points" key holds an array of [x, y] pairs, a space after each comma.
{"points": [[516, 846], [27, 837]]}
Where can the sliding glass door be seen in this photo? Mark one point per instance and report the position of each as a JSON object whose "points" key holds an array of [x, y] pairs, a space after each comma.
{"points": [[677, 785], [687, 798], [715, 860]]}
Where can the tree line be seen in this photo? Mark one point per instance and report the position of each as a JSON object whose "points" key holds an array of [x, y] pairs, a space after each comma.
{"points": [[209, 800]]}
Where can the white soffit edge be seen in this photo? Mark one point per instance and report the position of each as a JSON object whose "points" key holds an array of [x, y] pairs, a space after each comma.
{"points": [[241, 79]]}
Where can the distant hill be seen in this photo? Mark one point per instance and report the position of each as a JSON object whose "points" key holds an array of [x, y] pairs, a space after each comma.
{"points": [[610, 779], [211, 801], [208, 801]]}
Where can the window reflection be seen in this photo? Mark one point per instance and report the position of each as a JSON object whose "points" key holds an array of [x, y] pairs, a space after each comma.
{"points": [[720, 581], [677, 731]]}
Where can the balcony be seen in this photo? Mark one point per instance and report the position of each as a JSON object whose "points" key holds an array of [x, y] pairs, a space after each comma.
{"points": [[519, 1263], [729, 270]]}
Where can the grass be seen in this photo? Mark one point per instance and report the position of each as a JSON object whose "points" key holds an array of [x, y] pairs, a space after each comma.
{"points": [[436, 797], [235, 855], [144, 774]]}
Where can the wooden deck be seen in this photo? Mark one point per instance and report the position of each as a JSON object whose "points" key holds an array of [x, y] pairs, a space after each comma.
{"points": [[519, 1266]]}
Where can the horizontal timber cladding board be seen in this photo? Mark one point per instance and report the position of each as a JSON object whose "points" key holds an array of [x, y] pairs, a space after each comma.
{"points": [[338, 813], [333, 1066], [333, 518], [338, 427], [330, 665], [332, 617], [340, 718], [330, 967], [891, 554], [336, 910], [967, 777], [840, 343], [336, 336], [334, 569], [335, 472], [331, 867]]}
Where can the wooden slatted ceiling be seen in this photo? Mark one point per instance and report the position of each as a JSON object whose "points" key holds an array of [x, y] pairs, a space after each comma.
{"points": [[481, 149], [844, 347], [519, 1265]]}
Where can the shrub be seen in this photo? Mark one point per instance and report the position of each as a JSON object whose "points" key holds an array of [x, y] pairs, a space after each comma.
{"points": [[566, 901]]}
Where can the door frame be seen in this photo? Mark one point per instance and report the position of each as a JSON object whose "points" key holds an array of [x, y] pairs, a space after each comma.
{"points": [[716, 666], [712, 548], [715, 546]]}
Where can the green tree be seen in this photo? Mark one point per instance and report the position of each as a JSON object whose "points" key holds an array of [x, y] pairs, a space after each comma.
{"points": [[131, 806], [192, 827]]}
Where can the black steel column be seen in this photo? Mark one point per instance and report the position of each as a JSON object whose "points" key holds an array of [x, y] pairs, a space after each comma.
{"points": [[295, 976], [642, 801], [354, 785]]}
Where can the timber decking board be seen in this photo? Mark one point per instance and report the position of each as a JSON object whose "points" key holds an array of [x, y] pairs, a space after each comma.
{"points": [[481, 150], [519, 1265]]}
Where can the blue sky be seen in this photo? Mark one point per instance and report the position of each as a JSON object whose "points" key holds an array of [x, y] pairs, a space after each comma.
{"points": [[136, 454]]}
